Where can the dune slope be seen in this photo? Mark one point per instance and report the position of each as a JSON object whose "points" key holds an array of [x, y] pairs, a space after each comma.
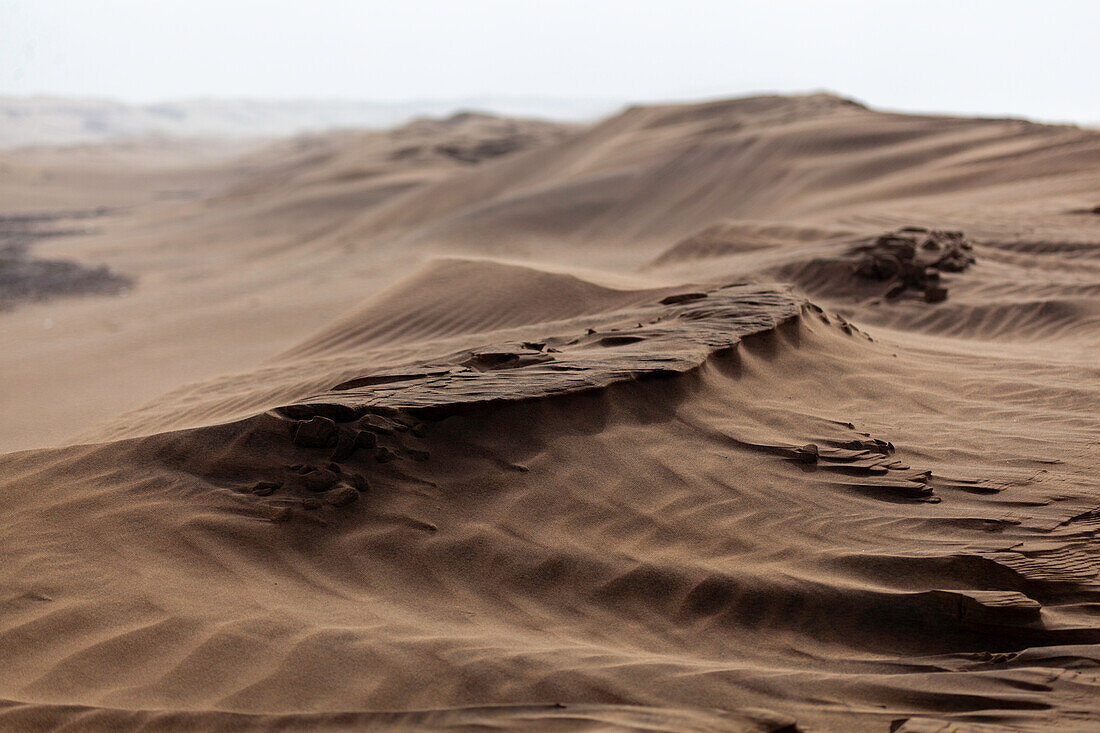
{"points": [[764, 415]]}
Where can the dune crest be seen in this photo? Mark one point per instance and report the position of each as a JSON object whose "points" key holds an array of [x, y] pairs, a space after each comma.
{"points": [[768, 414]]}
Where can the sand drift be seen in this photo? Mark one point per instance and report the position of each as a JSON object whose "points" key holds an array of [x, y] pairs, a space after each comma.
{"points": [[769, 414]]}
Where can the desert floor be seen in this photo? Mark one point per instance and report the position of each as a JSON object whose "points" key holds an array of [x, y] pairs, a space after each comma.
{"points": [[769, 414]]}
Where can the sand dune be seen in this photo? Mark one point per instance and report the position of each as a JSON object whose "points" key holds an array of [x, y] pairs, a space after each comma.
{"points": [[46, 120], [770, 414]]}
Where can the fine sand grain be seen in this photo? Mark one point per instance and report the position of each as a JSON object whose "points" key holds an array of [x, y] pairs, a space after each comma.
{"points": [[769, 414]]}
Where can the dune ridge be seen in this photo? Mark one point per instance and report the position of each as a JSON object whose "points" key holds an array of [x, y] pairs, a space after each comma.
{"points": [[697, 418]]}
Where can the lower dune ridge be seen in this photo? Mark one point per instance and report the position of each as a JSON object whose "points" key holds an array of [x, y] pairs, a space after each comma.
{"points": [[429, 539]]}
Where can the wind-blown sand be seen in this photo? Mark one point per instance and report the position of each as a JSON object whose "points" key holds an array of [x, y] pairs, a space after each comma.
{"points": [[767, 414]]}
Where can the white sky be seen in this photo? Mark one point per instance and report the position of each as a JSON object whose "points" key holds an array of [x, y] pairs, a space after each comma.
{"points": [[996, 57]]}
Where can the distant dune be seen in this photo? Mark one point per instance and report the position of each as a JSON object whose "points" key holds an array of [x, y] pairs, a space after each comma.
{"points": [[66, 121], [764, 414]]}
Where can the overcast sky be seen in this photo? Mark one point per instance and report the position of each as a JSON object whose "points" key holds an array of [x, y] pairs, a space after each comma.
{"points": [[996, 57]]}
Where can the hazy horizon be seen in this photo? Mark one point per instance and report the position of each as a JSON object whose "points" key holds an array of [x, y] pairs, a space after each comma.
{"points": [[982, 58]]}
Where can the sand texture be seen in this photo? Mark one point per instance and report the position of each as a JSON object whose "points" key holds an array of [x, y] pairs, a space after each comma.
{"points": [[769, 414]]}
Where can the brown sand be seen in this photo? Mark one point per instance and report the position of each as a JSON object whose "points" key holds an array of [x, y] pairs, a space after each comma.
{"points": [[768, 414]]}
